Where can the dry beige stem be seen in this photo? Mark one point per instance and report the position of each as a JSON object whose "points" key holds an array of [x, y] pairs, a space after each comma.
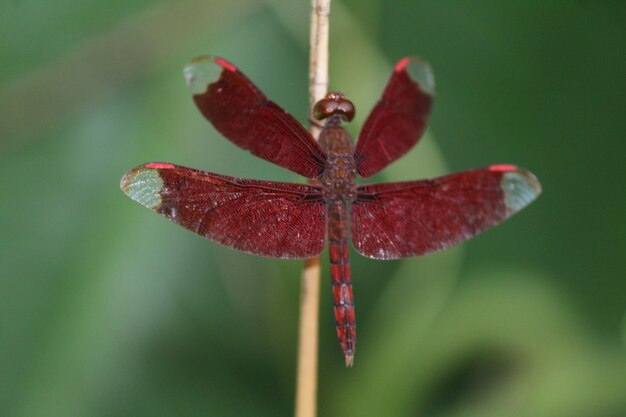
{"points": [[306, 386]]}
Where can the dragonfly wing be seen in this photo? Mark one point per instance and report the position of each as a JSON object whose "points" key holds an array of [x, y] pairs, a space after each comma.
{"points": [[398, 220], [275, 219], [242, 113], [398, 120]]}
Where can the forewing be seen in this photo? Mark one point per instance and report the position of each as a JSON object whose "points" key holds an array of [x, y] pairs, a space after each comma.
{"points": [[242, 113], [279, 220], [398, 220], [398, 120]]}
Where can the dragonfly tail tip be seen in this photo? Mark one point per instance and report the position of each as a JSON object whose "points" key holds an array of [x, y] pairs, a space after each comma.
{"points": [[349, 360]]}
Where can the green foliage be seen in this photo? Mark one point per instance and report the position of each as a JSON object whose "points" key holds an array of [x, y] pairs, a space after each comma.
{"points": [[108, 310]]}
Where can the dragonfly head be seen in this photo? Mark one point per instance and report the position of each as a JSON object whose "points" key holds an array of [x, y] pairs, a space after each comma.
{"points": [[334, 104]]}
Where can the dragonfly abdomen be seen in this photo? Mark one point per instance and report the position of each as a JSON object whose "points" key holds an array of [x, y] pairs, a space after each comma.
{"points": [[341, 281]]}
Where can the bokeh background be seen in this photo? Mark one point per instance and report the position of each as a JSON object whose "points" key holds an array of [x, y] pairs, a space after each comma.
{"points": [[107, 309]]}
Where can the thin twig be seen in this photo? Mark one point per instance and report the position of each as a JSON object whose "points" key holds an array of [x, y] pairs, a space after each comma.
{"points": [[318, 57], [306, 386]]}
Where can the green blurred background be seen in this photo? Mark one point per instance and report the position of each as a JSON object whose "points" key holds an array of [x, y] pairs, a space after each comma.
{"points": [[109, 310]]}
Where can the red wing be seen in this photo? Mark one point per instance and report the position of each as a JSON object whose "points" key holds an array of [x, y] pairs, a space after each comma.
{"points": [[280, 220], [398, 220], [398, 120], [242, 113]]}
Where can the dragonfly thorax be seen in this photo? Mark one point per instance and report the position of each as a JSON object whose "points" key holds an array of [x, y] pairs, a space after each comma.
{"points": [[338, 178]]}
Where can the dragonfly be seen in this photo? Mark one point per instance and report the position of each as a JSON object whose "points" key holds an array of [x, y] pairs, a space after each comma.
{"points": [[391, 220]]}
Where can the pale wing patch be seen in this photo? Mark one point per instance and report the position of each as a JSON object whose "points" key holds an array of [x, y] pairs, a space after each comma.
{"points": [[202, 71], [420, 71], [520, 189], [144, 186]]}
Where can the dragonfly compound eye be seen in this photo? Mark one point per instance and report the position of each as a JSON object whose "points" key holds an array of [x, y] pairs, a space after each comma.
{"points": [[334, 104]]}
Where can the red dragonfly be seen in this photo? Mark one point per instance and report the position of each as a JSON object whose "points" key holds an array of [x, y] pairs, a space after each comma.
{"points": [[294, 221]]}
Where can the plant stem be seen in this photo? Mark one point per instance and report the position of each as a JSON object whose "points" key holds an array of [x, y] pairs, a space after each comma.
{"points": [[306, 385]]}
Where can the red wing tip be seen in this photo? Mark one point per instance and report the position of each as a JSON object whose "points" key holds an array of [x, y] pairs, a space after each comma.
{"points": [[205, 70], [159, 165], [503, 168], [402, 64], [528, 176], [349, 360], [225, 64], [419, 71]]}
